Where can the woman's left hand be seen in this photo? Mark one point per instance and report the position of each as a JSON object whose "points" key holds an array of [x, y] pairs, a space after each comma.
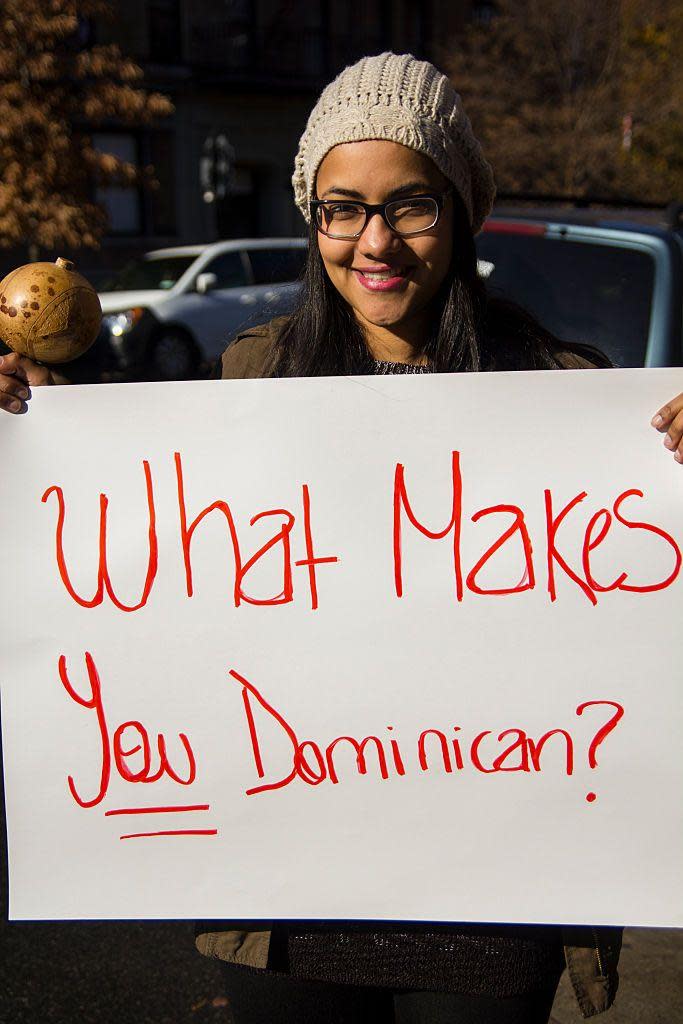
{"points": [[669, 421]]}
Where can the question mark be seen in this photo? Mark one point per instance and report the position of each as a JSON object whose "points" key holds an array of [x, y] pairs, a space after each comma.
{"points": [[605, 730]]}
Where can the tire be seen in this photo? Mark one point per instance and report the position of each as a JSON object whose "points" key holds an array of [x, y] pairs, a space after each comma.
{"points": [[173, 355]]}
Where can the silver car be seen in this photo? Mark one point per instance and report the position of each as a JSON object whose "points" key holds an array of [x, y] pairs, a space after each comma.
{"points": [[172, 311]]}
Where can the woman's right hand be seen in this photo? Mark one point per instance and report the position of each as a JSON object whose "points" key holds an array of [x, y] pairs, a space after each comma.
{"points": [[18, 374]]}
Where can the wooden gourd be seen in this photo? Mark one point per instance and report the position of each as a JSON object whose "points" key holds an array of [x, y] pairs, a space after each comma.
{"points": [[48, 312]]}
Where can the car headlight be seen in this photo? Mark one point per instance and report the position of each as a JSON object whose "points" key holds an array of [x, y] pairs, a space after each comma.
{"points": [[119, 324]]}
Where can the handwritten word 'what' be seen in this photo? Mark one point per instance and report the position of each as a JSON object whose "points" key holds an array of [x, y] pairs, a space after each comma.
{"points": [[279, 543]]}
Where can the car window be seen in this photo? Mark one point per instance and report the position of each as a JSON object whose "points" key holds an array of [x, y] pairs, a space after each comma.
{"points": [[597, 294], [271, 266], [148, 272], [229, 270]]}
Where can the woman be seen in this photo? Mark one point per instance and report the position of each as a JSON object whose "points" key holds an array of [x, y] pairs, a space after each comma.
{"points": [[394, 186]]}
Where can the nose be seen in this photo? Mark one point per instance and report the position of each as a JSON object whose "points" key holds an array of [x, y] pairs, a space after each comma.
{"points": [[378, 238]]}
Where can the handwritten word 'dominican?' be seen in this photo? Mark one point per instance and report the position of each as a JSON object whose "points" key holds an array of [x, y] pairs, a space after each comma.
{"points": [[434, 750]]}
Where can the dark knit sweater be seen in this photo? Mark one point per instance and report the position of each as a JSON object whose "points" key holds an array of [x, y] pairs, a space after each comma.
{"points": [[487, 960], [490, 960], [386, 367]]}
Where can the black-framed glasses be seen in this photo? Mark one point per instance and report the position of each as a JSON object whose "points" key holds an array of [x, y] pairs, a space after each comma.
{"points": [[346, 218]]}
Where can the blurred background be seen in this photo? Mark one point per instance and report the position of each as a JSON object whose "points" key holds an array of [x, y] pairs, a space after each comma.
{"points": [[107, 96], [152, 142]]}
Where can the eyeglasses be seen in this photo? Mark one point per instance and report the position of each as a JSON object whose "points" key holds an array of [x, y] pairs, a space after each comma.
{"points": [[338, 218]]}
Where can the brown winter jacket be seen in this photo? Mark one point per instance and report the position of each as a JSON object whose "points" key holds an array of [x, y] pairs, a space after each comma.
{"points": [[591, 954]]}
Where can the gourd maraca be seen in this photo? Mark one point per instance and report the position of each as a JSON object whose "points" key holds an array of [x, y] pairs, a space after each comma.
{"points": [[48, 312]]}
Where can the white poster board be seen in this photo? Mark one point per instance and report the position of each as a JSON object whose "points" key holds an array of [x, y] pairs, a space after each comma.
{"points": [[185, 696]]}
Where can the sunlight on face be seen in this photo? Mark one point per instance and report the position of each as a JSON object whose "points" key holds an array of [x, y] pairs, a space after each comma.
{"points": [[374, 170]]}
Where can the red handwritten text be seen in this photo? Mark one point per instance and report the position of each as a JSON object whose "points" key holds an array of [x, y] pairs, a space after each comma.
{"points": [[117, 749], [512, 750], [577, 567], [279, 543], [516, 532]]}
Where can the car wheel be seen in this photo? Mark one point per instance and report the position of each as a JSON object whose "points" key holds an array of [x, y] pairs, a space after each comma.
{"points": [[173, 355]]}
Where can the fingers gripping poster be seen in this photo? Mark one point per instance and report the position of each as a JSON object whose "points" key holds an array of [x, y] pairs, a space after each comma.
{"points": [[399, 648]]}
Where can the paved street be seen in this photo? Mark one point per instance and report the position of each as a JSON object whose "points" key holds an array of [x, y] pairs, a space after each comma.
{"points": [[101, 973]]}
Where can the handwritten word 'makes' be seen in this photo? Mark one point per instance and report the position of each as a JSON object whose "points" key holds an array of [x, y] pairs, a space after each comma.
{"points": [[514, 531]]}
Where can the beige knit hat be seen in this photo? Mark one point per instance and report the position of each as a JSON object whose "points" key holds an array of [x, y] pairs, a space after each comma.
{"points": [[396, 97]]}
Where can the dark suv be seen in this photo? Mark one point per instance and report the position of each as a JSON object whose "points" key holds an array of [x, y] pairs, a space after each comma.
{"points": [[607, 278]]}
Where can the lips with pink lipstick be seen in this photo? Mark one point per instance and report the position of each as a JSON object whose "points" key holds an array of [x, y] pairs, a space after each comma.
{"points": [[382, 278]]}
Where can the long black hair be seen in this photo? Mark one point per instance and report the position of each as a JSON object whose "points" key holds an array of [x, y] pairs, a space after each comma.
{"points": [[470, 330]]}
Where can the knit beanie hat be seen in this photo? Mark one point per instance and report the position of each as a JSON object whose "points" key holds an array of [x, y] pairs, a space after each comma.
{"points": [[402, 99]]}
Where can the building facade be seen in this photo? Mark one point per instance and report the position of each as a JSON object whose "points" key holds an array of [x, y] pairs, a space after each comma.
{"points": [[249, 71]]}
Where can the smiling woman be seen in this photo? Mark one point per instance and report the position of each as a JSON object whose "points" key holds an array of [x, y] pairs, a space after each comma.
{"points": [[394, 186], [389, 267]]}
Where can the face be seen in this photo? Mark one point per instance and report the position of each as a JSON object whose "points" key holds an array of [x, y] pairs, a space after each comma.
{"points": [[373, 171]]}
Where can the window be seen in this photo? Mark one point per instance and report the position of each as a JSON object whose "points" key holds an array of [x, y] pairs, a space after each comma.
{"points": [[483, 12], [122, 203], [290, 37], [220, 33], [408, 28], [356, 30], [271, 266], [237, 212], [596, 294], [149, 272], [159, 151], [229, 270], [163, 25]]}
